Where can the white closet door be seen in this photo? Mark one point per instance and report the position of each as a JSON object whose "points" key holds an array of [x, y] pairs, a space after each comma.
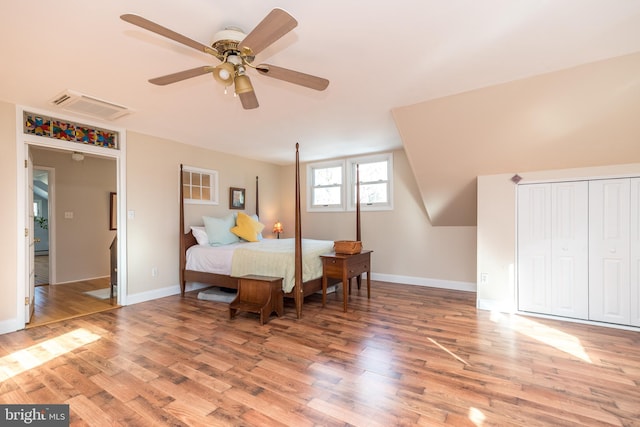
{"points": [[609, 203], [634, 279], [534, 248], [570, 249]]}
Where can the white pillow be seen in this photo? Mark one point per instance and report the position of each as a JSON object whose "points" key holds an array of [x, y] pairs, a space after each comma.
{"points": [[200, 233]]}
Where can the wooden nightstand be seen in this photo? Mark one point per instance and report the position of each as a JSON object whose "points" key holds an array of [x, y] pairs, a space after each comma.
{"points": [[345, 267], [258, 294]]}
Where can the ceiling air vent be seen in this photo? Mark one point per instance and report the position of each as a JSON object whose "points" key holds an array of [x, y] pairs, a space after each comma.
{"points": [[78, 103]]}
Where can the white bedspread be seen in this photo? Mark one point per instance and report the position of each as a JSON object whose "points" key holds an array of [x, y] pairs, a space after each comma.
{"points": [[211, 259], [268, 257]]}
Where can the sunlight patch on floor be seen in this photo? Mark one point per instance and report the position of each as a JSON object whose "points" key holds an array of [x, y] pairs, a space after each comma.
{"points": [[476, 416], [553, 337], [22, 360]]}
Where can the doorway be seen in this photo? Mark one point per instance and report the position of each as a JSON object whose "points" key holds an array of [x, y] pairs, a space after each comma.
{"points": [[72, 233], [28, 138], [71, 241]]}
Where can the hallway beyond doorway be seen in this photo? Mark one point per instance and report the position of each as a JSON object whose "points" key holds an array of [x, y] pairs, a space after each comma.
{"points": [[41, 264], [61, 302]]}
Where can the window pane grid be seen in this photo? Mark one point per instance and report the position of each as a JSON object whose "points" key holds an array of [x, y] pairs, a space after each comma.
{"points": [[200, 186]]}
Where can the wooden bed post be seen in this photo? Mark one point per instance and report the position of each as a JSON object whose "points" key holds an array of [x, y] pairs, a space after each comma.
{"points": [[183, 250], [257, 204], [298, 289], [358, 234]]}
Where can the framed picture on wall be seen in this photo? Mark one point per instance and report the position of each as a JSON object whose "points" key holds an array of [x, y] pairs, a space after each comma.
{"points": [[236, 198], [113, 211]]}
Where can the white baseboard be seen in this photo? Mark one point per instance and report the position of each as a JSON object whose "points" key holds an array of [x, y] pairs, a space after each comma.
{"points": [[496, 305], [163, 292], [84, 279], [10, 325], [423, 281], [405, 280]]}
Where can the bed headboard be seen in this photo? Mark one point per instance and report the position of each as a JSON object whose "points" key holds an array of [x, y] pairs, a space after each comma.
{"points": [[187, 239]]}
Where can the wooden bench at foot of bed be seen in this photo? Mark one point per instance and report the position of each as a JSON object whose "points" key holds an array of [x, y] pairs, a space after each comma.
{"points": [[258, 294]]}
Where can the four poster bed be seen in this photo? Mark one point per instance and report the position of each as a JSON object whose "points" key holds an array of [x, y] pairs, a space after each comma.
{"points": [[267, 257]]}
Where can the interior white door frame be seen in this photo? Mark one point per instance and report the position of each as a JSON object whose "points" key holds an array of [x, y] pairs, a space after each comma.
{"points": [[30, 300], [22, 141]]}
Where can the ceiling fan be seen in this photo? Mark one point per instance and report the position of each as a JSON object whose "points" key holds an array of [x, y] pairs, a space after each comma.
{"points": [[236, 51]]}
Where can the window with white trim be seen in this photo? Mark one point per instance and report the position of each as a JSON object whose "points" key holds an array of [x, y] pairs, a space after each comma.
{"points": [[376, 174], [200, 186], [326, 186], [332, 185]]}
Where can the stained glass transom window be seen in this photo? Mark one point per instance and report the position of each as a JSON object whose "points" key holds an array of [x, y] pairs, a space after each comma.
{"points": [[65, 130]]}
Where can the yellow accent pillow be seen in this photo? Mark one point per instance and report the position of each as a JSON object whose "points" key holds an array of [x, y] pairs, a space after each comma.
{"points": [[247, 227]]}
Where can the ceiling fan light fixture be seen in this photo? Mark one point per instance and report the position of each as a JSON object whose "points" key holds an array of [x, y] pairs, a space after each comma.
{"points": [[224, 73], [243, 84], [235, 50]]}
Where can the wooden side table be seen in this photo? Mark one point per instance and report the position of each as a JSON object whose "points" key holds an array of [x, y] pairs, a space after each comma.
{"points": [[258, 294], [345, 267]]}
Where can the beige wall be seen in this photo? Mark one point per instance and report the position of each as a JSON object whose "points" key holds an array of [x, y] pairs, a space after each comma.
{"points": [[497, 228], [8, 214], [407, 248], [82, 243], [580, 117], [153, 166], [152, 195]]}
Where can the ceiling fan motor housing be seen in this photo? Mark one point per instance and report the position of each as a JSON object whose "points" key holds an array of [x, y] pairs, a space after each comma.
{"points": [[226, 43]]}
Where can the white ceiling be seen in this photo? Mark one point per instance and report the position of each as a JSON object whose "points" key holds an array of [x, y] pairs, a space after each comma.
{"points": [[378, 55]]}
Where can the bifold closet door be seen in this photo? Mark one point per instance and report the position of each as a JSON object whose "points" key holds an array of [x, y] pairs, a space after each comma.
{"points": [[534, 248], [570, 249], [635, 251], [609, 250], [553, 249]]}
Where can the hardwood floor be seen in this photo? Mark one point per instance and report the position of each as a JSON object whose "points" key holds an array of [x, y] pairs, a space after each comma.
{"points": [[59, 302], [41, 269], [409, 356]]}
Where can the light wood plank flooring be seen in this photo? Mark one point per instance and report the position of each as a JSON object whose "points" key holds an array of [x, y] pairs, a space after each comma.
{"points": [[409, 356], [59, 302]]}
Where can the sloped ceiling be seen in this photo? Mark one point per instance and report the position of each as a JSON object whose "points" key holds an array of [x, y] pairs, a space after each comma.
{"points": [[579, 117], [378, 55]]}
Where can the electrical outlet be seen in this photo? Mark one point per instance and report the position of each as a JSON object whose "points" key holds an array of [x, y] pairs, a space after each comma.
{"points": [[484, 278]]}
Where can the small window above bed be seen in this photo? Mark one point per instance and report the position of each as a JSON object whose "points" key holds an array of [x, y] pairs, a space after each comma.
{"points": [[200, 186]]}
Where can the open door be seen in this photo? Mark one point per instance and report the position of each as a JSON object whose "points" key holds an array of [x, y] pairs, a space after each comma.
{"points": [[42, 204], [29, 299]]}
